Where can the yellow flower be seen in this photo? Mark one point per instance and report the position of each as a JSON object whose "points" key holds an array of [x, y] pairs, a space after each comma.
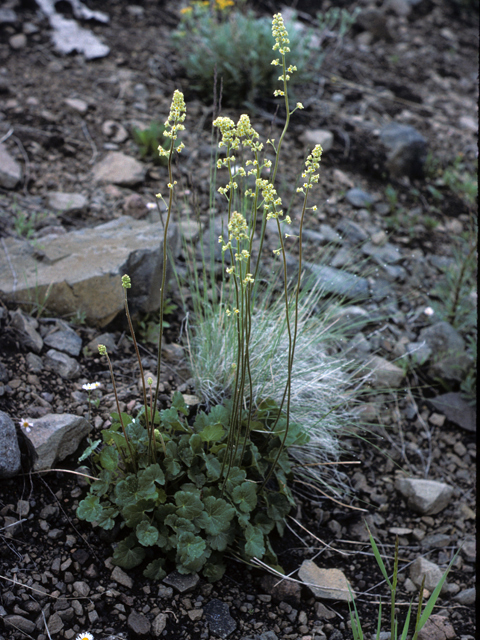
{"points": [[223, 4], [186, 10]]}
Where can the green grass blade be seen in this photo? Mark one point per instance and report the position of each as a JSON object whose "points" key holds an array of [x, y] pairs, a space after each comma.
{"points": [[433, 598], [379, 624], [379, 560], [407, 623], [355, 620]]}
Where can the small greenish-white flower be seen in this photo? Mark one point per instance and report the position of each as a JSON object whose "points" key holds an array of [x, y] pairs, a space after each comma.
{"points": [[149, 381], [280, 34], [84, 636], [26, 425], [300, 105], [90, 386], [237, 226], [102, 349], [428, 311], [126, 282]]}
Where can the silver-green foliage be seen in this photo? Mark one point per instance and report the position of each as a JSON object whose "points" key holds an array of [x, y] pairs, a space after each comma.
{"points": [[235, 50]]}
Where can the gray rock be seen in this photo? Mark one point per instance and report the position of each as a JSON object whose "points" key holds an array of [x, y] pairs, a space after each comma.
{"points": [[313, 137], [10, 170], [107, 339], [406, 150], [8, 16], [18, 41], [359, 198], [452, 368], [350, 319], [84, 269], [426, 497], [117, 168], [436, 541], [67, 36], [20, 623], [180, 582], [330, 235], [220, 622], [65, 340], [62, 364], [122, 578], [337, 281], [351, 230], [385, 254], [10, 463], [56, 436], [442, 338], [138, 623], [384, 374], [67, 202], [26, 328], [3, 373], [77, 105], [419, 352], [466, 597], [328, 584], [432, 572], [456, 409], [159, 624], [34, 363]]}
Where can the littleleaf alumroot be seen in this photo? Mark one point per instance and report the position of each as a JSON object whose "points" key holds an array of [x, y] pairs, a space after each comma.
{"points": [[189, 488]]}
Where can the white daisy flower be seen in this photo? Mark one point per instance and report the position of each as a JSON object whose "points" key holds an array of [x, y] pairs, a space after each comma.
{"points": [[90, 386], [84, 636], [25, 424]]}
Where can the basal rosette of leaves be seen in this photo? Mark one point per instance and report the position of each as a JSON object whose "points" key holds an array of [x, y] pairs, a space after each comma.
{"points": [[181, 508]]}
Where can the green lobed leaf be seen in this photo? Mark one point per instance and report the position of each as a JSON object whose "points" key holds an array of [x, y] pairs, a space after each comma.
{"points": [[212, 432], [154, 569], [101, 485], [111, 436], [179, 403], [235, 478], [90, 508], [213, 467], [127, 555], [151, 474], [188, 505], [109, 458], [107, 519], [216, 517], [196, 443], [245, 496], [126, 491], [254, 543], [147, 534], [221, 540], [170, 420], [135, 513], [213, 571]]}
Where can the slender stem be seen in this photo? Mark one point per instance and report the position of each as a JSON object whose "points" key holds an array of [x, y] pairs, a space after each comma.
{"points": [[119, 412], [142, 376]]}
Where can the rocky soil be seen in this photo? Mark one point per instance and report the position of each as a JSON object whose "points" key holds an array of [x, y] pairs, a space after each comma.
{"points": [[61, 119]]}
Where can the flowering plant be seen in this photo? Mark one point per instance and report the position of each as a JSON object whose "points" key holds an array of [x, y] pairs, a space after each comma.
{"points": [[189, 488]]}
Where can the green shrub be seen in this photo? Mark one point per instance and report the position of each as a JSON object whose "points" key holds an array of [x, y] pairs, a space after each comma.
{"points": [[234, 48]]}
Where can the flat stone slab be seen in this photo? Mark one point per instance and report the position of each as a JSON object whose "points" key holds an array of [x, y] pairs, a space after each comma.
{"points": [[10, 170], [56, 436], [426, 497], [83, 269], [329, 584]]}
